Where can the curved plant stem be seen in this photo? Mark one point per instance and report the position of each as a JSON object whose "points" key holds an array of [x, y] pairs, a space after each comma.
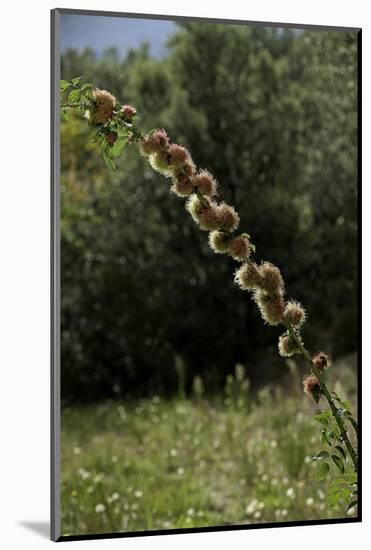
{"points": [[133, 134], [326, 393]]}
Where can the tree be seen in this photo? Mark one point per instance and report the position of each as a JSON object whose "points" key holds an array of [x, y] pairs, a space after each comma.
{"points": [[260, 109]]}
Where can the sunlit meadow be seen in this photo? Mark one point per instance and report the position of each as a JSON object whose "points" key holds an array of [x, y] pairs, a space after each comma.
{"points": [[167, 464]]}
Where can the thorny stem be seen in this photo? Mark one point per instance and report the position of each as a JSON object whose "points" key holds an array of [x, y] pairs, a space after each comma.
{"points": [[326, 393]]}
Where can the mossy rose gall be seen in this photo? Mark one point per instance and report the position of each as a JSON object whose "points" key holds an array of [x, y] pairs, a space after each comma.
{"points": [[104, 103], [264, 281]]}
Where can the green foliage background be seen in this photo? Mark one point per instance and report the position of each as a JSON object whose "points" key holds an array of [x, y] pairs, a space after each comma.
{"points": [[273, 115]]}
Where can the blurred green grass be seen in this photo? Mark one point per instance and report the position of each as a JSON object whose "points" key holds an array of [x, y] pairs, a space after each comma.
{"points": [[235, 458]]}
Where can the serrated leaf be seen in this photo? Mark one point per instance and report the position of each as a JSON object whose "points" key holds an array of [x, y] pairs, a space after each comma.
{"points": [[89, 97], [321, 456], [76, 80], [334, 497], [63, 85], [322, 418], [338, 462], [109, 162], [323, 470], [119, 146], [74, 96]]}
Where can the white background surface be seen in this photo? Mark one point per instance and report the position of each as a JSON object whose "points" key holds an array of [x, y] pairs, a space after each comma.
{"points": [[24, 273]]}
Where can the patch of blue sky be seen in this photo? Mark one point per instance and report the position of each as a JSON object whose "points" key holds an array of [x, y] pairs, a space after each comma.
{"points": [[100, 33]]}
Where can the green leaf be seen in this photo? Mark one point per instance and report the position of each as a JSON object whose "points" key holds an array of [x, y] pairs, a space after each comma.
{"points": [[64, 85], [321, 456], [323, 470], [322, 418], [335, 496], [325, 438], [119, 146], [341, 451], [253, 247], [76, 80], [333, 434], [340, 481], [74, 96], [86, 91], [351, 478], [338, 462], [109, 162]]}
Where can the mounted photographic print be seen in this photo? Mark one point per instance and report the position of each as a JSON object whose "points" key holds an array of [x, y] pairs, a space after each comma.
{"points": [[205, 274]]}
